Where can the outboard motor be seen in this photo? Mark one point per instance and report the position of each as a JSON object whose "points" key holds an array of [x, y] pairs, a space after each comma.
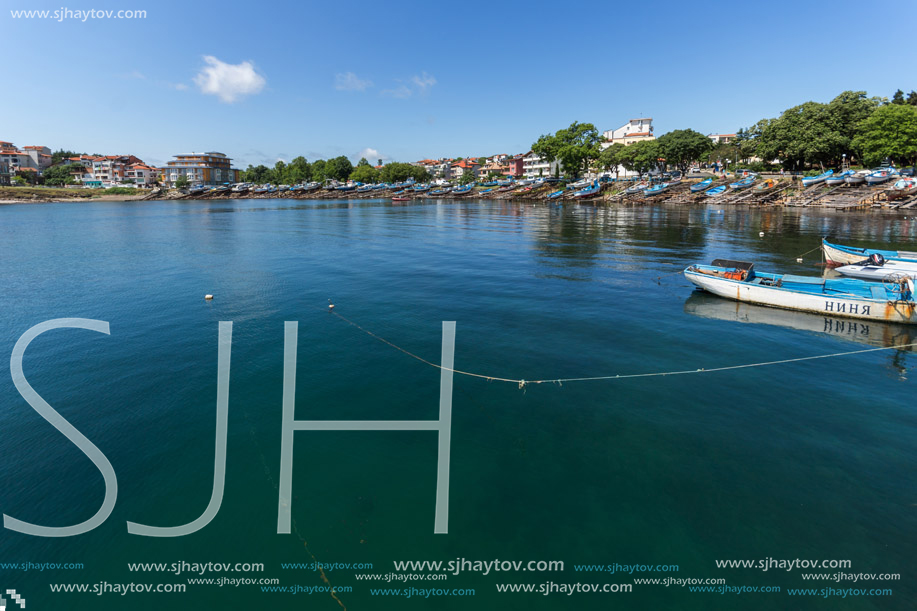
{"points": [[876, 259]]}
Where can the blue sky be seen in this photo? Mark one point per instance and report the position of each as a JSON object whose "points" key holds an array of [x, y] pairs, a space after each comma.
{"points": [[409, 80]]}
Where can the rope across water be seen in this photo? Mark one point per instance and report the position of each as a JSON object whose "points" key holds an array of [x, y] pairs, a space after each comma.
{"points": [[523, 383]]}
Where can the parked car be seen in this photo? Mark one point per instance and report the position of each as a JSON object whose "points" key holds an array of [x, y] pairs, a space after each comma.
{"points": [[907, 171]]}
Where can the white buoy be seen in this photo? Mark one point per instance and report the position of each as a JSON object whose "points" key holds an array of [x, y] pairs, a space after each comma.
{"points": [[208, 297], [760, 234], [798, 259]]}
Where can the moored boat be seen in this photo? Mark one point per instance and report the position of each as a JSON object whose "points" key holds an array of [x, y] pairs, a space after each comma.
{"points": [[843, 297], [637, 188], [838, 254], [463, 190], [857, 178], [700, 186], [770, 183], [877, 267]]}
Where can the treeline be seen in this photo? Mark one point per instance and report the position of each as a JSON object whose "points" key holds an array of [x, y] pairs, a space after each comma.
{"points": [[867, 130], [300, 170]]}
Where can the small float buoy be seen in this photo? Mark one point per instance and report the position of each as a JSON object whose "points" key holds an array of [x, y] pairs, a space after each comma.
{"points": [[208, 297], [798, 259], [330, 305], [760, 234]]}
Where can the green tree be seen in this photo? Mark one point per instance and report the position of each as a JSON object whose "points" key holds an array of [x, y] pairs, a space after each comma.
{"points": [[890, 132], [576, 147], [58, 156], [338, 168], [59, 175], [399, 172], [318, 170], [640, 156], [610, 158], [258, 174], [299, 171], [467, 177], [280, 173], [805, 134], [683, 147], [898, 98], [364, 173], [912, 98], [182, 182]]}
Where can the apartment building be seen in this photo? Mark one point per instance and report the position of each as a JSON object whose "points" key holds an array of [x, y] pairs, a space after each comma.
{"points": [[210, 169]]}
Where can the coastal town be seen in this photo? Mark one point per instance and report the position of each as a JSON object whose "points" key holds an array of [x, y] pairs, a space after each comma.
{"points": [[850, 165]]}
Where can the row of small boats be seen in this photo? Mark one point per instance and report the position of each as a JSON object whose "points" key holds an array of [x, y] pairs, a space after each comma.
{"points": [[875, 176], [874, 284]]}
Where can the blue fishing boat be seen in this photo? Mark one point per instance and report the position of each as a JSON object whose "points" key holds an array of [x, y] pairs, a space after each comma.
{"points": [[442, 191], [420, 188], [814, 180], [556, 194], [845, 297], [657, 189], [700, 186], [492, 183], [744, 183], [485, 191], [715, 191], [589, 191], [881, 175], [463, 190], [838, 179]]}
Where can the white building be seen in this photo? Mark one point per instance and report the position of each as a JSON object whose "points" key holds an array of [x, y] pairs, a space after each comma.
{"points": [[632, 131], [534, 166], [721, 138]]}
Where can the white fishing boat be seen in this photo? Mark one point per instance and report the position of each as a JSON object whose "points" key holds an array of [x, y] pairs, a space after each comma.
{"points": [[877, 177], [857, 178], [838, 254], [844, 297], [877, 267]]}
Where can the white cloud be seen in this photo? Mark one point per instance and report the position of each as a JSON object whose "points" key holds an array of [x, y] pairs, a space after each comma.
{"points": [[371, 155], [401, 92], [228, 82], [419, 84], [348, 81], [178, 86], [423, 82]]}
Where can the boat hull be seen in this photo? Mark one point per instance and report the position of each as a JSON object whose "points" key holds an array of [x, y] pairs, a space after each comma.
{"points": [[788, 299], [837, 254], [879, 272]]}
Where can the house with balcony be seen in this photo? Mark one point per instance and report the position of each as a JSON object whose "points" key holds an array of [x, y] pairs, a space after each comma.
{"points": [[142, 174], [534, 166], [29, 159], [5, 179], [458, 168], [208, 169]]}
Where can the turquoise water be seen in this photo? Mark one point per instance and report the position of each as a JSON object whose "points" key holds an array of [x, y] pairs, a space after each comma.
{"points": [[810, 460]]}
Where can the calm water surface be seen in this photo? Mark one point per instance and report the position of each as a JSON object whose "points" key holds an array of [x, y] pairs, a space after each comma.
{"points": [[806, 460]]}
